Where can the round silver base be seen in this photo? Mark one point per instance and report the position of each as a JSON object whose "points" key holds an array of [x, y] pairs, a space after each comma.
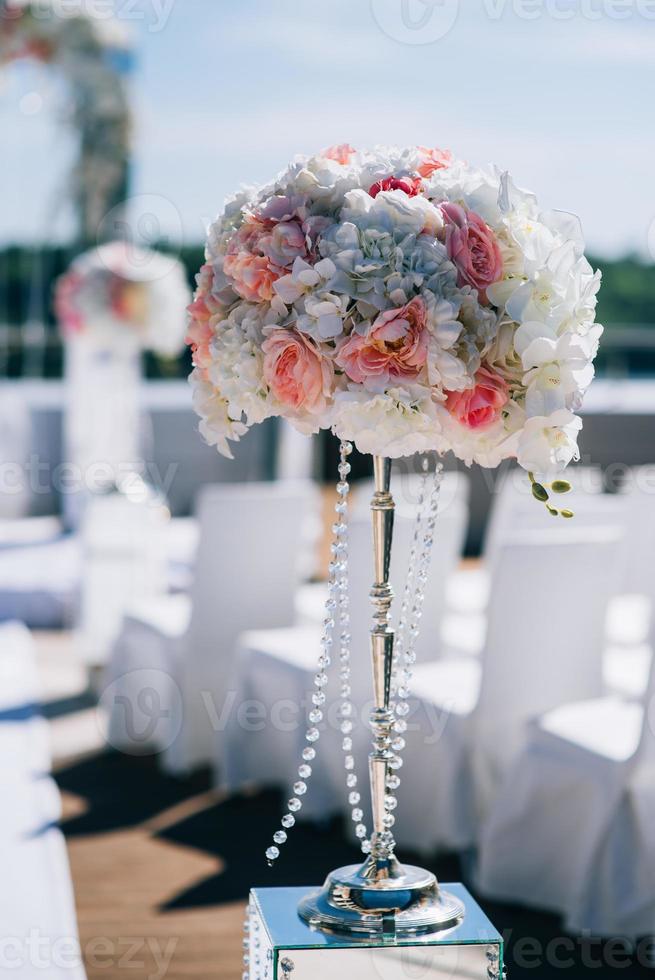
{"points": [[359, 900]]}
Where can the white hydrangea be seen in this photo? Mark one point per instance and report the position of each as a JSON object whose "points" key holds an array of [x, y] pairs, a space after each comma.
{"points": [[396, 423]]}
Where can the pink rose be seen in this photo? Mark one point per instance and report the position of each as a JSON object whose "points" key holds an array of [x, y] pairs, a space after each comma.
{"points": [[479, 407], [252, 275], [199, 336], [472, 247], [433, 159], [394, 347], [410, 185], [340, 152], [296, 372]]}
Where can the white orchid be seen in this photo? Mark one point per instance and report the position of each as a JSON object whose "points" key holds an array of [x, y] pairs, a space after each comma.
{"points": [[557, 367], [548, 443]]}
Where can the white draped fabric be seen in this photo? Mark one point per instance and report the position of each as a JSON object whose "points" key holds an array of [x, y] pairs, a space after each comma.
{"points": [[36, 895]]}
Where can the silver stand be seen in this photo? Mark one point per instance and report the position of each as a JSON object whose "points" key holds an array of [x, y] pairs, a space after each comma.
{"points": [[381, 898]]}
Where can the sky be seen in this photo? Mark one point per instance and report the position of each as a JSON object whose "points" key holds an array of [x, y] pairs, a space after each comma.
{"points": [[560, 92]]}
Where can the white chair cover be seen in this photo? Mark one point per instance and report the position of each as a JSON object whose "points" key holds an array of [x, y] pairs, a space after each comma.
{"points": [[549, 594], [512, 508], [124, 561], [36, 895], [572, 830], [245, 575], [39, 583]]}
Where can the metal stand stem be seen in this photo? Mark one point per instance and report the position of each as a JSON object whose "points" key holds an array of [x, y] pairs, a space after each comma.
{"points": [[381, 897]]}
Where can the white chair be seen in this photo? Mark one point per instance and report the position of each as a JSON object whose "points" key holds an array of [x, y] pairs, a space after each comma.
{"points": [[275, 670], [39, 582], [173, 656], [123, 541], [36, 894], [544, 637], [627, 661], [512, 508], [572, 830]]}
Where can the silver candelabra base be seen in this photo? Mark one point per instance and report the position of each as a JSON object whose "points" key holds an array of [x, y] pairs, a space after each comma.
{"points": [[365, 900]]}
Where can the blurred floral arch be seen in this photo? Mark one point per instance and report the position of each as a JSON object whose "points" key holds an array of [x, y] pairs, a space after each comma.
{"points": [[94, 56]]}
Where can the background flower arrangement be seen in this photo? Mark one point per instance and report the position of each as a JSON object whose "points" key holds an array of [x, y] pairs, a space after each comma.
{"points": [[404, 299], [118, 293]]}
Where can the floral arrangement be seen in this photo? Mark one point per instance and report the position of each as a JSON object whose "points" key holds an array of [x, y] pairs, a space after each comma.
{"points": [[404, 299], [119, 292]]}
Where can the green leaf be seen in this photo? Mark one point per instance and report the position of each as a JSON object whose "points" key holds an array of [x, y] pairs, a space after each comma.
{"points": [[560, 486], [539, 492], [552, 510], [567, 513]]}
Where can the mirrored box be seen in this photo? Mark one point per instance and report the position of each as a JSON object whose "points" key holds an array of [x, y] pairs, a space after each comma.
{"points": [[283, 947]]}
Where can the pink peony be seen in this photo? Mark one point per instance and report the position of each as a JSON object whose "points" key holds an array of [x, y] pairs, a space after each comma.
{"points": [[433, 159], [410, 185], [472, 247], [479, 407], [296, 371], [394, 347], [340, 152]]}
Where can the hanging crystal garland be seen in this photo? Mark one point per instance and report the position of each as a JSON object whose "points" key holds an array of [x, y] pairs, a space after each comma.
{"points": [[409, 624], [337, 603], [346, 708]]}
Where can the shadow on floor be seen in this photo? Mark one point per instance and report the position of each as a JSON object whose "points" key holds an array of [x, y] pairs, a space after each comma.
{"points": [[125, 791]]}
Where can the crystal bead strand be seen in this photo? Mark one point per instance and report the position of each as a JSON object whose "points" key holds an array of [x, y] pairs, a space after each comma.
{"points": [[399, 642], [346, 709], [407, 652], [337, 596]]}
